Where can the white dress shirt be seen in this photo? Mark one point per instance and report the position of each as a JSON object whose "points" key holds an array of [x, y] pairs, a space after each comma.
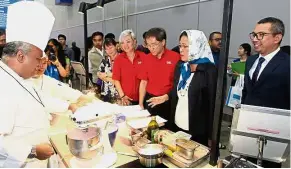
{"points": [[264, 64], [182, 108]]}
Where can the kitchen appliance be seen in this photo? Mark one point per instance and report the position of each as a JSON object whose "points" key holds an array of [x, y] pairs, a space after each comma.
{"points": [[91, 146], [84, 143]]}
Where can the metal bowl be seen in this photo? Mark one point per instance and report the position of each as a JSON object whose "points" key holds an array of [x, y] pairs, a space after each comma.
{"points": [[83, 143], [151, 155]]}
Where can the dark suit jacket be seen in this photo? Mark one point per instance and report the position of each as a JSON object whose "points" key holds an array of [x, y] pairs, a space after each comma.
{"points": [[273, 86], [201, 101]]}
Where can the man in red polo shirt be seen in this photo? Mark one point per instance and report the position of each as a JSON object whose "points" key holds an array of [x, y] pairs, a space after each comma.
{"points": [[157, 74]]}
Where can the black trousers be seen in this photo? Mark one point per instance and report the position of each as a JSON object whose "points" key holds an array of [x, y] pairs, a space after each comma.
{"points": [[162, 110]]}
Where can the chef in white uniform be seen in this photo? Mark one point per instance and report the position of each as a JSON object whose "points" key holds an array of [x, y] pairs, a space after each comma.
{"points": [[55, 88], [24, 123], [58, 97]]}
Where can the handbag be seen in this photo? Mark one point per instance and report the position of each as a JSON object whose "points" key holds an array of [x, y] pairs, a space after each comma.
{"points": [[235, 92]]}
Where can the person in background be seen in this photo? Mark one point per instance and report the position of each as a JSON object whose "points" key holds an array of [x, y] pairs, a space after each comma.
{"points": [[2, 40], [77, 52], [51, 87], [286, 49], [158, 74], [143, 47], [68, 51], [95, 56], [244, 51], [215, 45], [193, 94], [58, 67], [108, 91], [176, 49], [127, 67], [109, 35]]}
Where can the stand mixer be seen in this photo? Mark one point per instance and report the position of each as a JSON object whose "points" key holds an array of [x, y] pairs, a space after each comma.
{"points": [[88, 140]]}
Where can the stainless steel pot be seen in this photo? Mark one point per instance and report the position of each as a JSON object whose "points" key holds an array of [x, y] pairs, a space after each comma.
{"points": [[151, 155], [83, 143]]}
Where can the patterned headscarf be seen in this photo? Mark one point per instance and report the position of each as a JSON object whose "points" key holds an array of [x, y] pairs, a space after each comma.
{"points": [[199, 52]]}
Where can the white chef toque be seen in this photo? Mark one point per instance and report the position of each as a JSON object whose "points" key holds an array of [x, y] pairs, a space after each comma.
{"points": [[29, 22]]}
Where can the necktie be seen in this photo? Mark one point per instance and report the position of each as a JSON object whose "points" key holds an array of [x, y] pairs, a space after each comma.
{"points": [[257, 70]]}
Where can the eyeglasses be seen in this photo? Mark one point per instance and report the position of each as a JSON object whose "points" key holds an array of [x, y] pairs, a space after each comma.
{"points": [[259, 35], [154, 45]]}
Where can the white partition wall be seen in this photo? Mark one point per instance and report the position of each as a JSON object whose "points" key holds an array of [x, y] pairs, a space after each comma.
{"points": [[173, 15]]}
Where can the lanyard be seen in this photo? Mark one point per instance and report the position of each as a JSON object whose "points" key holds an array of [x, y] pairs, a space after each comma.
{"points": [[39, 101]]}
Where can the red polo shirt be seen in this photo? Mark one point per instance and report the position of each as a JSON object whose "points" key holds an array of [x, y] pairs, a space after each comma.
{"points": [[160, 72], [127, 73]]}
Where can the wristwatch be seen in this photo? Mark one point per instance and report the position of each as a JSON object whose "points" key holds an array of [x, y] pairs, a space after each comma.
{"points": [[33, 152]]}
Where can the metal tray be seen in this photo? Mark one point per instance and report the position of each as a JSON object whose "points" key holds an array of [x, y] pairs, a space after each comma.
{"points": [[195, 163]]}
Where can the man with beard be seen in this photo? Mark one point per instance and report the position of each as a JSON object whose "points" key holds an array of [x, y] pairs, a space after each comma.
{"points": [[215, 45]]}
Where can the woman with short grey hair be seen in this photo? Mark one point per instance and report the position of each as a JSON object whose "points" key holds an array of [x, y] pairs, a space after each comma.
{"points": [[126, 69]]}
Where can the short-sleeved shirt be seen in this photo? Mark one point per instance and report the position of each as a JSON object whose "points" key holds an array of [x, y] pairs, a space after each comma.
{"points": [[52, 71], [160, 72], [127, 73]]}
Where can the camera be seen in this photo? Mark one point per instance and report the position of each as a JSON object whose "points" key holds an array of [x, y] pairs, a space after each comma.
{"points": [[50, 53]]}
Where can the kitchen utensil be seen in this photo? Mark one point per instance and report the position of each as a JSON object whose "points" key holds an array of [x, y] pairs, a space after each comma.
{"points": [[151, 155], [84, 143], [127, 154], [186, 148]]}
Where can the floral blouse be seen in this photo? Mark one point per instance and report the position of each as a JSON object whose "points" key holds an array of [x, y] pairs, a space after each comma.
{"points": [[107, 88]]}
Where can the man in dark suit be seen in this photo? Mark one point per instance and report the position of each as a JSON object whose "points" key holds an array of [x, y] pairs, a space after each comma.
{"points": [[267, 77]]}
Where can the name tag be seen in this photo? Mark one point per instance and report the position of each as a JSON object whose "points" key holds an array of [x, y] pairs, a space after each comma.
{"points": [[169, 62], [139, 62]]}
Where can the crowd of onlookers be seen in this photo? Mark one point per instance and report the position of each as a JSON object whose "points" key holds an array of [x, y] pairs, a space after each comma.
{"points": [[178, 84]]}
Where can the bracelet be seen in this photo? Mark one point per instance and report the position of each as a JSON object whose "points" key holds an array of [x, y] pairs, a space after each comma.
{"points": [[122, 96]]}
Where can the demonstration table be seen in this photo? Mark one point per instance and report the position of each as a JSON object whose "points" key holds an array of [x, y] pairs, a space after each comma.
{"points": [[58, 140]]}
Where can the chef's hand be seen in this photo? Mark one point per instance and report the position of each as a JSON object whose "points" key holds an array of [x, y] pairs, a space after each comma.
{"points": [[44, 151], [125, 100], [73, 107], [152, 102]]}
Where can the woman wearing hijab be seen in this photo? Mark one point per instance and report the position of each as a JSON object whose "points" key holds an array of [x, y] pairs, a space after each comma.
{"points": [[193, 94]]}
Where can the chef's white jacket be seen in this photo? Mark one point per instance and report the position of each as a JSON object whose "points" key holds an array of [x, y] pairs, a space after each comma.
{"points": [[23, 120], [55, 88], [56, 95]]}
